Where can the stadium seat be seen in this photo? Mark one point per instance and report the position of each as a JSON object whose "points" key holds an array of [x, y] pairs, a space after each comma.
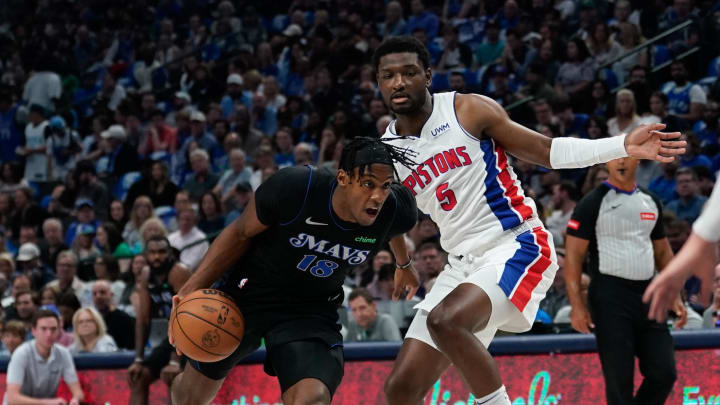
{"points": [[123, 185], [440, 81], [714, 67], [661, 54]]}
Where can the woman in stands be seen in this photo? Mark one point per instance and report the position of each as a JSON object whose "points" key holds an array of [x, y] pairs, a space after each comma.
{"points": [[142, 210], [91, 333]]}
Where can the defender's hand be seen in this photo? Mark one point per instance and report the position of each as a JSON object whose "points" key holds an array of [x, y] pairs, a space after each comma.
{"points": [[662, 292], [406, 280], [681, 313], [647, 142]]}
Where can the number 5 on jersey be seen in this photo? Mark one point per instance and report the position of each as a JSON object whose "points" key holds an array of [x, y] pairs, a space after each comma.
{"points": [[446, 197], [323, 268]]}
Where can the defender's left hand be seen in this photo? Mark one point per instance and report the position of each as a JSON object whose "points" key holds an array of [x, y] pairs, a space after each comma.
{"points": [[406, 280], [647, 142], [681, 313]]}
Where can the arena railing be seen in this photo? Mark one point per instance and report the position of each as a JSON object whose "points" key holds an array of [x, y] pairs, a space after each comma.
{"points": [[503, 346]]}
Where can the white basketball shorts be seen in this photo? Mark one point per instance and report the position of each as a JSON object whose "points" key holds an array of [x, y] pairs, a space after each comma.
{"points": [[515, 272]]}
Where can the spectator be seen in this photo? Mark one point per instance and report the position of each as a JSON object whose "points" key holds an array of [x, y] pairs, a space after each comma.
{"points": [[664, 186], [693, 156], [26, 212], [49, 296], [423, 19], [711, 316], [186, 235], [686, 100], [263, 115], [575, 75], [243, 195], [433, 260], [689, 204], [24, 308], [573, 124], [36, 367], [303, 154], [67, 281], [156, 185], [151, 228], [91, 333], [121, 156], [106, 268], [28, 261], [536, 85], [602, 48], [564, 197], [596, 127], [20, 283], [138, 272], [249, 136], [211, 218], [599, 99], [142, 210], [367, 324], [491, 50], [7, 267], [556, 297], [117, 216], [90, 188], [626, 118], [658, 109], [456, 55], [708, 130], [120, 325], [11, 176], [9, 126], [63, 147], [628, 37], [263, 160], [110, 241], [83, 245], [236, 174], [641, 88], [53, 243], [68, 304], [160, 136], [394, 23], [201, 180], [13, 335], [44, 87], [284, 142]]}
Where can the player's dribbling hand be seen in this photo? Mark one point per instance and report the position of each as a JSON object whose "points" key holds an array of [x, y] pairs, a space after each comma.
{"points": [[175, 301], [406, 280], [580, 319], [647, 142]]}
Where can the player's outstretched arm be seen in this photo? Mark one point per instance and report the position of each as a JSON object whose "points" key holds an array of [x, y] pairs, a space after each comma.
{"points": [[482, 116], [697, 256]]}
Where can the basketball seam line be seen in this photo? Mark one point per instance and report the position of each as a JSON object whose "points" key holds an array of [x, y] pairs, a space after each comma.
{"points": [[198, 346], [208, 322], [212, 299]]}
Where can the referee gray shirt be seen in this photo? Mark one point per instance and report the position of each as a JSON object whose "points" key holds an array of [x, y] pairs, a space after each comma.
{"points": [[39, 377], [620, 227]]}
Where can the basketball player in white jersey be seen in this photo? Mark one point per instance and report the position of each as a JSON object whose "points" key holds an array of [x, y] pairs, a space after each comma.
{"points": [[502, 259]]}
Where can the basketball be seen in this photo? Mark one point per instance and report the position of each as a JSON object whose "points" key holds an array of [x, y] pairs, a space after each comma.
{"points": [[207, 326]]}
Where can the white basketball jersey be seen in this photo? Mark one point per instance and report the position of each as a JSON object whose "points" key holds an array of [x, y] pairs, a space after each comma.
{"points": [[465, 184]]}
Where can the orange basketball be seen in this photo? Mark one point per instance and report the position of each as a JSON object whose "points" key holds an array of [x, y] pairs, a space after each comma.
{"points": [[207, 326]]}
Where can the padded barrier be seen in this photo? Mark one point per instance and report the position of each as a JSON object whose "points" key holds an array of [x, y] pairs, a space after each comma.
{"points": [[502, 346]]}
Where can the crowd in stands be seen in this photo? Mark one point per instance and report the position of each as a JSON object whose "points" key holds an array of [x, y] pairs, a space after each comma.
{"points": [[124, 121]]}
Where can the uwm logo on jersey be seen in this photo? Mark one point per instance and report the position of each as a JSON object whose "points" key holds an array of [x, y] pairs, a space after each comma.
{"points": [[436, 165]]}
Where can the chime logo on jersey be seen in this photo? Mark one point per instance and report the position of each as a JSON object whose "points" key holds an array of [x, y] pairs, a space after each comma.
{"points": [[337, 250]]}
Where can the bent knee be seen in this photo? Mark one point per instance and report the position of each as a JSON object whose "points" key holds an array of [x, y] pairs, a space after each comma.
{"points": [[399, 390], [143, 380]]}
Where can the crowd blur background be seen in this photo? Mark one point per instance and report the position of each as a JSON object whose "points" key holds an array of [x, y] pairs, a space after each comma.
{"points": [[122, 120]]}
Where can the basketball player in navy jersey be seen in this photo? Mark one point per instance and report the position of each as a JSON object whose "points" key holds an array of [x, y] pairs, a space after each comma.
{"points": [[502, 259], [284, 261]]}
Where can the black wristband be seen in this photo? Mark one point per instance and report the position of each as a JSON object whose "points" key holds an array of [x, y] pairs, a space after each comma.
{"points": [[404, 266]]}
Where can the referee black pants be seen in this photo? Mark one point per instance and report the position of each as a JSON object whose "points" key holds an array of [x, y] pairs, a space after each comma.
{"points": [[623, 332]]}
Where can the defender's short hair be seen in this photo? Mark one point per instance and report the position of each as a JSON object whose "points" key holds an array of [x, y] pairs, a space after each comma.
{"points": [[403, 44]]}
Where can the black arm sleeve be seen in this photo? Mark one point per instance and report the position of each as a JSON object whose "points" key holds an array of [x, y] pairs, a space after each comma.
{"points": [[658, 231], [584, 217], [281, 197], [406, 212]]}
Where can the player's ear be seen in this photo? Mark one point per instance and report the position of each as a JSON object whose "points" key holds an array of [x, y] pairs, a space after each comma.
{"points": [[343, 178], [428, 78]]}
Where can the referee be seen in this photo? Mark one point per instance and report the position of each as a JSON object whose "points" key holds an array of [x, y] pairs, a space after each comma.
{"points": [[619, 228]]}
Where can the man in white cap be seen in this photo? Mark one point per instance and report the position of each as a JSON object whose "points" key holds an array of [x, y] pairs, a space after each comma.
{"points": [[234, 95], [123, 157], [28, 260]]}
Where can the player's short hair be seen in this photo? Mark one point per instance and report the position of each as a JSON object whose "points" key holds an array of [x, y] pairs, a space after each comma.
{"points": [[402, 44], [361, 292]]}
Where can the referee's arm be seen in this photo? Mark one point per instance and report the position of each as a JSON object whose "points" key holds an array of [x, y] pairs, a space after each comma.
{"points": [[575, 251]]}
